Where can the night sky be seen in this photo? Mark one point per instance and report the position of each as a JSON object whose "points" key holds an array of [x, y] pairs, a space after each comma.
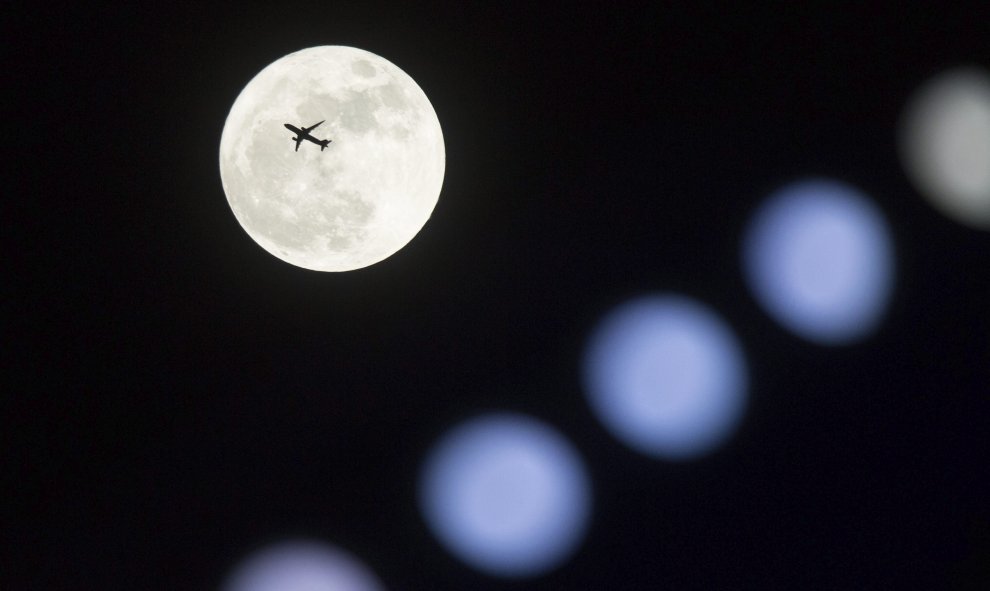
{"points": [[174, 396]]}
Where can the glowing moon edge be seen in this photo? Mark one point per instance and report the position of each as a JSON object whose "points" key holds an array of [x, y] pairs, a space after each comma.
{"points": [[363, 198]]}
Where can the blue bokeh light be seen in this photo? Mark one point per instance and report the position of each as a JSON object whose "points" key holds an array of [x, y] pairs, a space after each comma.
{"points": [[666, 376], [818, 257], [301, 565], [506, 494]]}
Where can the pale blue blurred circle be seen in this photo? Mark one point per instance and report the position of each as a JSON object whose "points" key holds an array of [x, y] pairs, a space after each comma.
{"points": [[666, 376], [301, 565], [506, 494], [818, 257]]}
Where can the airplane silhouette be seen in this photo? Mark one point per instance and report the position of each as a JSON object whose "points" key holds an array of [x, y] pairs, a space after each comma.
{"points": [[303, 134]]}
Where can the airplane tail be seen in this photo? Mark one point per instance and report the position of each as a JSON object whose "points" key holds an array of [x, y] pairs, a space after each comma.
{"points": [[323, 145]]}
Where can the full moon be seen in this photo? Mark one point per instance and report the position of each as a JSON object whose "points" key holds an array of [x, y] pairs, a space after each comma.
{"points": [[353, 201]]}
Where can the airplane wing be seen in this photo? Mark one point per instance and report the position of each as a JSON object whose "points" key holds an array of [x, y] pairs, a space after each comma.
{"points": [[312, 127], [299, 140]]}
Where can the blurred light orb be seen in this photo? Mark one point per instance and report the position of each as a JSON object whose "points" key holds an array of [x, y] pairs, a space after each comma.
{"points": [[301, 565], [945, 144], [818, 257], [666, 376], [506, 494]]}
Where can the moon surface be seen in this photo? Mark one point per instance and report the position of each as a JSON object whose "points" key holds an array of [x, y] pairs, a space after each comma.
{"points": [[364, 197]]}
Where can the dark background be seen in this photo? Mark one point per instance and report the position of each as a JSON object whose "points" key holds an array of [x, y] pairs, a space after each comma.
{"points": [[174, 396]]}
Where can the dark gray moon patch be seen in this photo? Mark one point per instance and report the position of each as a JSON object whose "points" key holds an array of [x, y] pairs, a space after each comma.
{"points": [[364, 69]]}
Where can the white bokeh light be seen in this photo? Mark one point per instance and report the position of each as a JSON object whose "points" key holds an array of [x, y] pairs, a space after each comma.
{"points": [[818, 257], [945, 144], [666, 376], [301, 565], [506, 494]]}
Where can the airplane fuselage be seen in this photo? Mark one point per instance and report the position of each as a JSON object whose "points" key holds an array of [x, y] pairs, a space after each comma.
{"points": [[303, 134]]}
